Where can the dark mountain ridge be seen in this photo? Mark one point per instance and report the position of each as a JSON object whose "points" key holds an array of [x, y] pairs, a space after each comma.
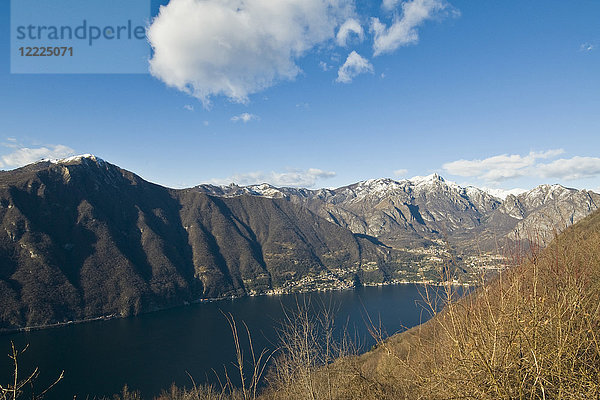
{"points": [[82, 238]]}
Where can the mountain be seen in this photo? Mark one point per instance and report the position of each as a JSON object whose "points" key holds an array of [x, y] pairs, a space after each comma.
{"points": [[539, 214], [405, 211], [416, 211], [82, 238]]}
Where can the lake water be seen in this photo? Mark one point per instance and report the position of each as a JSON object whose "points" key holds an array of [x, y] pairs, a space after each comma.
{"points": [[151, 351]]}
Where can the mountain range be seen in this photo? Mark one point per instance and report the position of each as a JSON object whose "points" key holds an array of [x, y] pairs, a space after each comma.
{"points": [[412, 211], [82, 238]]}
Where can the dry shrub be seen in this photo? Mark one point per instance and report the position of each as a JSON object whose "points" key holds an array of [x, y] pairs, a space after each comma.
{"points": [[532, 333], [203, 392], [316, 359], [23, 387]]}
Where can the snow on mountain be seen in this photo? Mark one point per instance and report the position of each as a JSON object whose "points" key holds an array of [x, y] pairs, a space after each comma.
{"points": [[430, 207], [74, 159], [504, 193]]}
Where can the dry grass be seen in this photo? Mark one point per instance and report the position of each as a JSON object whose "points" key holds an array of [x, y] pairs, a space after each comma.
{"points": [[532, 333]]}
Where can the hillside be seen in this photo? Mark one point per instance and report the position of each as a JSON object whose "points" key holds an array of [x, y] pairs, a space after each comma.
{"points": [[82, 238]]}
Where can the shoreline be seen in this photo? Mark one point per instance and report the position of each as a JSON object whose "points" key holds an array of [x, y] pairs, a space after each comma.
{"points": [[6, 332]]}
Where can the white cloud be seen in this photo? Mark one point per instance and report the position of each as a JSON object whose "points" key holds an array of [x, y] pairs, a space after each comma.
{"points": [[238, 47], [403, 30], [292, 178], [503, 167], [245, 117], [586, 47], [350, 26], [400, 172], [571, 168], [189, 107], [27, 155], [354, 66], [323, 65], [500, 167], [389, 4]]}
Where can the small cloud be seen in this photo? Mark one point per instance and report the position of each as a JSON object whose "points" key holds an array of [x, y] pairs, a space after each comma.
{"points": [[245, 117], [354, 66], [335, 58], [189, 107], [323, 65], [291, 178], [304, 106], [503, 193], [27, 155], [389, 4], [403, 30], [351, 26], [400, 172], [586, 47], [382, 75], [205, 123], [11, 143]]}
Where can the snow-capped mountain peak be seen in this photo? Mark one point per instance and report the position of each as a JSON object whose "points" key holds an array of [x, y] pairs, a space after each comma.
{"points": [[74, 159]]}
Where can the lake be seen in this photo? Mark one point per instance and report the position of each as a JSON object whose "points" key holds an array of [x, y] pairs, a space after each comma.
{"points": [[151, 351]]}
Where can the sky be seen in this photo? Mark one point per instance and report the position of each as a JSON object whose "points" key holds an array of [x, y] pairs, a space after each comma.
{"points": [[325, 93]]}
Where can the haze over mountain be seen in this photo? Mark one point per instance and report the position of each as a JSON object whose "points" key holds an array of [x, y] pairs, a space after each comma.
{"points": [[82, 238]]}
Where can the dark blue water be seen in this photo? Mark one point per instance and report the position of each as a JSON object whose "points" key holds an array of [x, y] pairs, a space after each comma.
{"points": [[151, 351]]}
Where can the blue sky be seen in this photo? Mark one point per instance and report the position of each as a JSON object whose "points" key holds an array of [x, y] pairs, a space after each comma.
{"points": [[496, 94]]}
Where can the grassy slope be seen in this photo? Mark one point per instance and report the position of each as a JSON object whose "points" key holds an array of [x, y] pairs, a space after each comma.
{"points": [[531, 333]]}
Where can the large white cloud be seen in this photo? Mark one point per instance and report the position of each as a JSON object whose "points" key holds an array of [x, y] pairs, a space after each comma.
{"points": [[292, 178], [238, 47], [504, 166], [355, 65], [403, 30], [27, 155]]}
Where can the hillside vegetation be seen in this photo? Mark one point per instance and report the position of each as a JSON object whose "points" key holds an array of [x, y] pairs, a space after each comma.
{"points": [[86, 239], [534, 333]]}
